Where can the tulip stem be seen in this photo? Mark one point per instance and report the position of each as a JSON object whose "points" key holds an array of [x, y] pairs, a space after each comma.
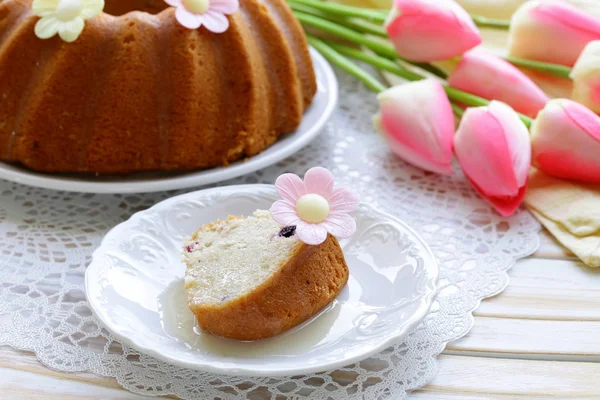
{"points": [[383, 48], [348, 66], [378, 62], [484, 22], [345, 11], [457, 96], [359, 25], [552, 69], [378, 46], [458, 110], [337, 19]]}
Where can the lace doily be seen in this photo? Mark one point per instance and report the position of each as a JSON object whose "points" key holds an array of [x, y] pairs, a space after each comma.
{"points": [[48, 238]]}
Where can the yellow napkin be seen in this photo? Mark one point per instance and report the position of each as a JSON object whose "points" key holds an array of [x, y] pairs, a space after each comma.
{"points": [[570, 211]]}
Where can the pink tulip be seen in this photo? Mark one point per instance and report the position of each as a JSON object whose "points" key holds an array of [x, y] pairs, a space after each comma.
{"points": [[490, 77], [551, 31], [492, 146], [586, 77], [426, 30], [566, 141], [417, 122]]}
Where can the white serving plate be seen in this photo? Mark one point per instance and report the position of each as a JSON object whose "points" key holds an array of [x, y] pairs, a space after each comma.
{"points": [[312, 124], [134, 286]]}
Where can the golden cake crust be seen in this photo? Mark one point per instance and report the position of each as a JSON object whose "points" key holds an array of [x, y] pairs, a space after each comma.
{"points": [[298, 290], [139, 92]]}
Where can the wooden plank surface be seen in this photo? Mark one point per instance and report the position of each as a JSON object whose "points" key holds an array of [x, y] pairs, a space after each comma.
{"points": [[474, 378], [531, 339], [549, 289], [539, 339], [517, 377]]}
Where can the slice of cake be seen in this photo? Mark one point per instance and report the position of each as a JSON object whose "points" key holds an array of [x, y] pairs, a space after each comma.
{"points": [[252, 278]]}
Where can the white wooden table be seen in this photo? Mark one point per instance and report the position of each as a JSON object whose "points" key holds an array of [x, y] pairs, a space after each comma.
{"points": [[539, 339]]}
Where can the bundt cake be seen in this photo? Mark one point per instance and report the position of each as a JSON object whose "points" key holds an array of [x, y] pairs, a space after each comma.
{"points": [[252, 278], [137, 91]]}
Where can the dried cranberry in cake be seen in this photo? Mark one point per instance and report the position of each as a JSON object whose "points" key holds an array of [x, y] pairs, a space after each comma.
{"points": [[242, 284], [288, 231]]}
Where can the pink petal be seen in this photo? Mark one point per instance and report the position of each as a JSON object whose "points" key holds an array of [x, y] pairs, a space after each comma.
{"points": [[505, 205], [340, 225], [483, 152], [565, 140], [214, 21], [284, 213], [517, 138], [567, 165], [490, 77], [187, 19], [417, 122], [343, 201], [311, 234], [551, 31], [174, 3], [319, 180], [431, 30], [586, 77], [584, 118], [290, 187], [224, 6]]}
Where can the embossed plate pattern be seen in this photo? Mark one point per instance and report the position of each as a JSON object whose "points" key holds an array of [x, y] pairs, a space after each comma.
{"points": [[134, 287]]}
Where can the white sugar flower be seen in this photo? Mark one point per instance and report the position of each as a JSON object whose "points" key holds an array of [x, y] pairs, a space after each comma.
{"points": [[65, 17]]}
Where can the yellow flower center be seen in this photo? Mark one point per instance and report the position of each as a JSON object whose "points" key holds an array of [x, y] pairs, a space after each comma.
{"points": [[312, 208], [197, 6], [69, 9]]}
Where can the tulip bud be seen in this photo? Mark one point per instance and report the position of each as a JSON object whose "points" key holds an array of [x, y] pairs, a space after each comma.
{"points": [[492, 146], [490, 77], [586, 77], [425, 30], [551, 31], [565, 139], [417, 122]]}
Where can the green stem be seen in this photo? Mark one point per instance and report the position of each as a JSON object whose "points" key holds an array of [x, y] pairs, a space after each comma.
{"points": [[484, 22], [380, 16], [432, 69], [378, 62], [323, 13], [345, 11], [458, 110], [383, 48], [356, 24], [552, 69], [342, 62], [457, 96], [379, 47]]}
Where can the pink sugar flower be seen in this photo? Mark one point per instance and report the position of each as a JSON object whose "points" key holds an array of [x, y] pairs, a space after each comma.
{"points": [[314, 206], [211, 13]]}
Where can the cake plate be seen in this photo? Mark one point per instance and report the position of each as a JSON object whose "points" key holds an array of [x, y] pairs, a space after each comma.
{"points": [[134, 286], [312, 124]]}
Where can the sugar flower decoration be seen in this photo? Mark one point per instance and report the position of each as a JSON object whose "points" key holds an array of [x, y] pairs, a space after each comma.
{"points": [[314, 206], [211, 13], [65, 17]]}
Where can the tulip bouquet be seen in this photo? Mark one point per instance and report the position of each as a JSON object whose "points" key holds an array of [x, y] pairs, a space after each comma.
{"points": [[507, 123]]}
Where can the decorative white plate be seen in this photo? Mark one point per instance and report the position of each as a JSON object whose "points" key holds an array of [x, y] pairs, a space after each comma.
{"points": [[312, 124], [134, 286]]}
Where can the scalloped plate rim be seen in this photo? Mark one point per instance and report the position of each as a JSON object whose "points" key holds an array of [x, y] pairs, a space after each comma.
{"points": [[428, 299], [327, 92]]}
